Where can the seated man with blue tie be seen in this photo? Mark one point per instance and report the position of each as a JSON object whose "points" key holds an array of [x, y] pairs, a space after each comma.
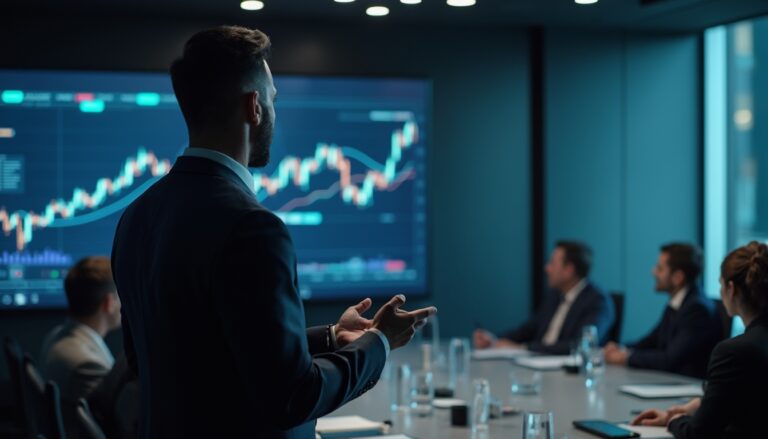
{"points": [[572, 303], [689, 328]]}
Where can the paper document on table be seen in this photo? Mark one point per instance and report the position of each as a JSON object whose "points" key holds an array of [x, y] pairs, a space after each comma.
{"points": [[548, 362], [649, 432], [499, 353], [347, 427], [662, 390]]}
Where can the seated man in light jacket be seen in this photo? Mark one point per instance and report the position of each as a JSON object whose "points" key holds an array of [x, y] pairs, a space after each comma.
{"points": [[74, 354]]}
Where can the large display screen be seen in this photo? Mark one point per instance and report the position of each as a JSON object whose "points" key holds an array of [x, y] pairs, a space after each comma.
{"points": [[347, 176]]}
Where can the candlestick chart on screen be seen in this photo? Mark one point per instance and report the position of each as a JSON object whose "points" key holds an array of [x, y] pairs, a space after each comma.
{"points": [[347, 175]]}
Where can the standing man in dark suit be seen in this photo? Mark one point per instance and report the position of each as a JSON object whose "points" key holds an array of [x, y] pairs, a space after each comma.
{"points": [[572, 303], [213, 321], [689, 329]]}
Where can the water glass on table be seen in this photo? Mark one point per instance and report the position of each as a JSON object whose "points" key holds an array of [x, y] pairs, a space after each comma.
{"points": [[422, 393], [400, 388], [524, 382], [481, 405], [459, 353], [538, 425]]}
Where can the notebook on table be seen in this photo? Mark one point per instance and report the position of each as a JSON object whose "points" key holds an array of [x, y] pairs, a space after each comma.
{"points": [[335, 427], [654, 391]]}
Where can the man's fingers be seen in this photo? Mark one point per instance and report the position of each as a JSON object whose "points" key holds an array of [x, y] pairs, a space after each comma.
{"points": [[363, 306], [420, 323], [396, 302], [642, 417], [423, 313]]}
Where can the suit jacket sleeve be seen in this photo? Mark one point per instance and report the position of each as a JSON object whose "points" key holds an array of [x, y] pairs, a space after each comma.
{"points": [[318, 340], [598, 312], [526, 333], [650, 341], [725, 384], [256, 279], [87, 376], [128, 349], [130, 352], [523, 333], [689, 339]]}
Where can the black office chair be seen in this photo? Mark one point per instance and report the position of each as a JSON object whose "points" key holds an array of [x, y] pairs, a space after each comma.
{"points": [[87, 425], [15, 360], [43, 404], [614, 334], [726, 321]]}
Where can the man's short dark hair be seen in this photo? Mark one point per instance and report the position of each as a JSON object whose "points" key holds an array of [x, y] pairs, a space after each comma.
{"points": [[684, 257], [86, 284], [216, 66], [577, 254]]}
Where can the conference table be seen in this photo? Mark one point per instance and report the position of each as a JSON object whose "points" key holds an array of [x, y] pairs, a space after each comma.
{"points": [[565, 395]]}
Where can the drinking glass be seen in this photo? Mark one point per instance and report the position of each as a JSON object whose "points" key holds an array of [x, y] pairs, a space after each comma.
{"points": [[538, 425], [400, 388], [458, 360], [422, 393], [481, 405]]}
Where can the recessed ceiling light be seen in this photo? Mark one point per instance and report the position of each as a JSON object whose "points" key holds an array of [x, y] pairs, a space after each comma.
{"points": [[343, 1], [585, 2], [377, 11], [461, 3], [410, 2], [251, 5]]}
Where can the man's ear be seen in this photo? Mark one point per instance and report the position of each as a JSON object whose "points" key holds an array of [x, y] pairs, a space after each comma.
{"points": [[253, 110], [678, 277], [106, 303]]}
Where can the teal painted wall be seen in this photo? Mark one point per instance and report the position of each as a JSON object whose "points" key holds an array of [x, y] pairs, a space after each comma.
{"points": [[623, 155]]}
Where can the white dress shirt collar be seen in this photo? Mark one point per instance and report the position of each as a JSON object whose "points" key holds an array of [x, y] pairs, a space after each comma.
{"points": [[574, 292], [224, 160], [676, 301]]}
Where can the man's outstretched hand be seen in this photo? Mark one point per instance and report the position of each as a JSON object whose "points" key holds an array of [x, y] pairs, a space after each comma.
{"points": [[352, 324], [398, 325]]}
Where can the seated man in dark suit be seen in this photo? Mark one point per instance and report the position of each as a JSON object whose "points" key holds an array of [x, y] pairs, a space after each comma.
{"points": [[213, 320], [736, 376], [572, 303], [689, 328]]}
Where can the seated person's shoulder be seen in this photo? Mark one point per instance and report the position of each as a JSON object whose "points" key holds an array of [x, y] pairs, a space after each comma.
{"points": [[595, 292], [747, 350], [71, 353], [700, 305]]}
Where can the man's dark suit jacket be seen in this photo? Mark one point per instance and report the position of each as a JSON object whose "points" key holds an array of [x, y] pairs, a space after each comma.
{"points": [[591, 307], [737, 381], [212, 317], [683, 340]]}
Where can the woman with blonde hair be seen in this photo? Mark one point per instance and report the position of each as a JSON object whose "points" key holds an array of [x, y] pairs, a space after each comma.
{"points": [[737, 377]]}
